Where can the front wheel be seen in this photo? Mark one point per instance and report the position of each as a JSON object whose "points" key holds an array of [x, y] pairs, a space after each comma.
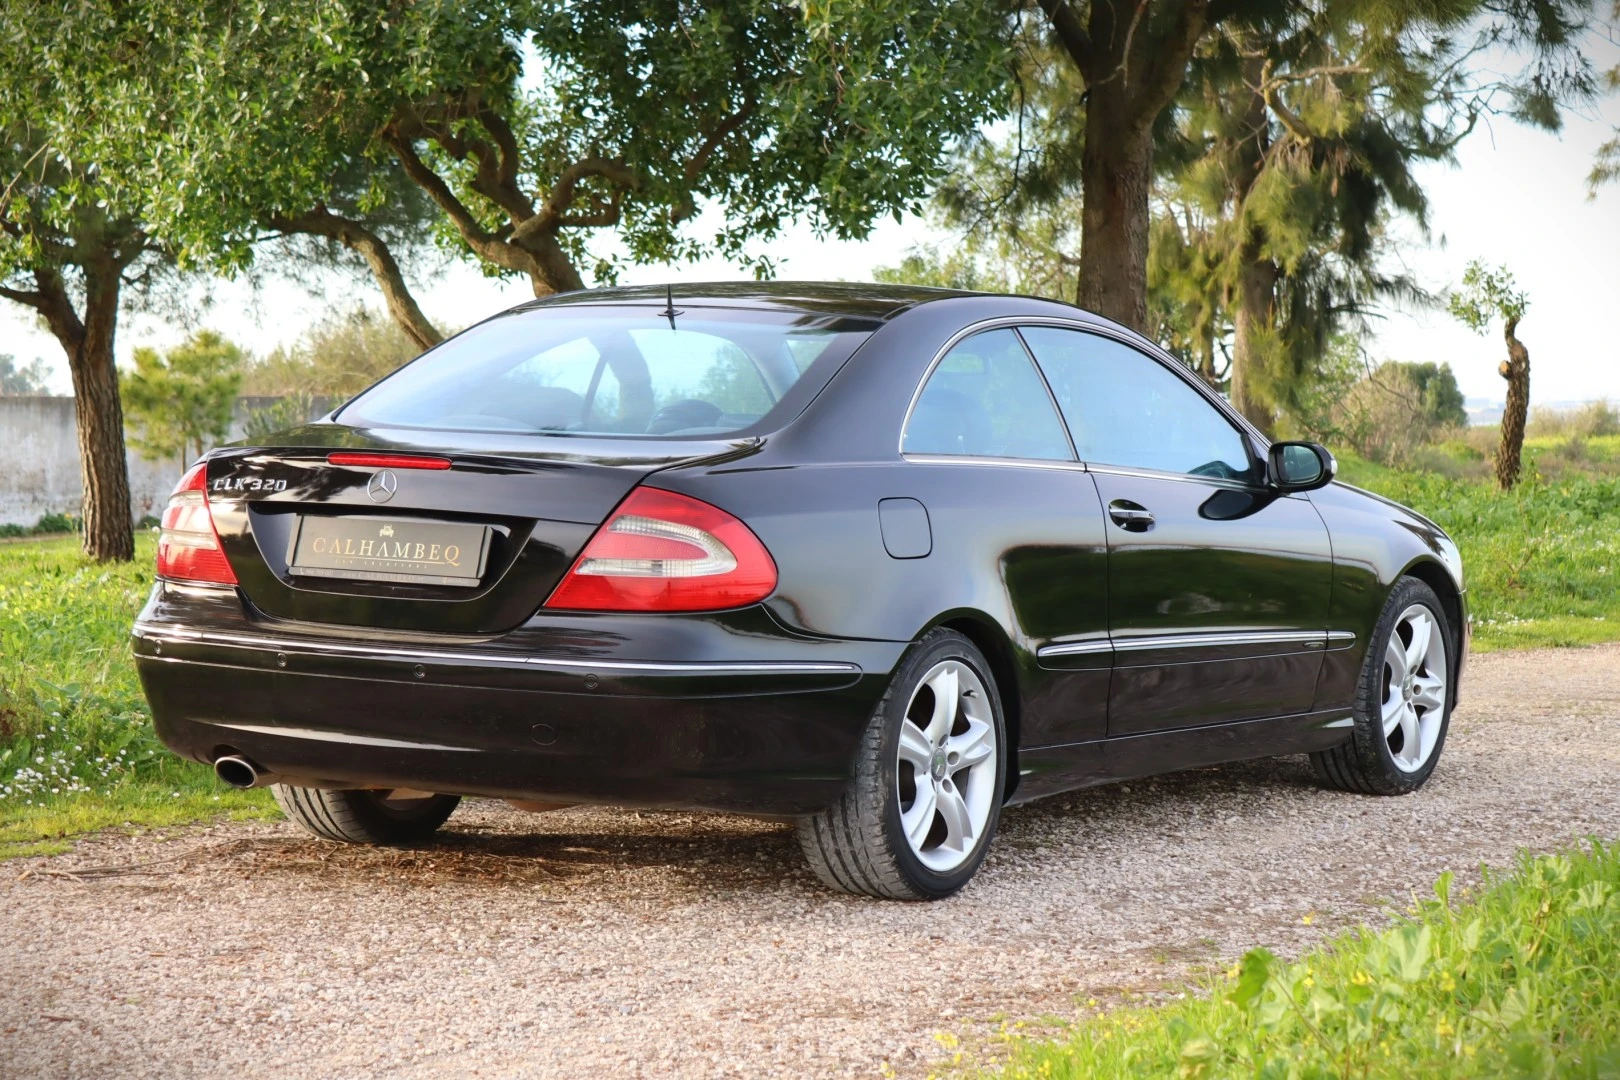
{"points": [[365, 817], [1403, 703], [918, 814]]}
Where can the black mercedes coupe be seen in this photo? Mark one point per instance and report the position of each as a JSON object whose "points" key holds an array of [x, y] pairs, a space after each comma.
{"points": [[878, 559]]}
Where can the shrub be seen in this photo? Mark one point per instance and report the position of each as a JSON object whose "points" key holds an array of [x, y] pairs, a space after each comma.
{"points": [[288, 412], [336, 358], [47, 525], [1595, 419], [1398, 408]]}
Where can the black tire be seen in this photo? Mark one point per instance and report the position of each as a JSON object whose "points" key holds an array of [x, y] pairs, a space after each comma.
{"points": [[1365, 763], [363, 817], [857, 845]]}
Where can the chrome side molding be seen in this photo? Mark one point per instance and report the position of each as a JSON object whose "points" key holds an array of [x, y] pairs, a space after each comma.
{"points": [[1305, 639]]}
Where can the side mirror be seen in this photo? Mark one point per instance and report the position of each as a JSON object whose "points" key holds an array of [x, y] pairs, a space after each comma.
{"points": [[1300, 466]]}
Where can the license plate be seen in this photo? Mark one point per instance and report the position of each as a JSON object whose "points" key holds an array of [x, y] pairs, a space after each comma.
{"points": [[384, 549]]}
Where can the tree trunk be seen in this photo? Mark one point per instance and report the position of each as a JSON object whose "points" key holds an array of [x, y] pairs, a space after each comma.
{"points": [[401, 304], [1256, 314], [1254, 321], [1516, 370], [108, 530], [356, 237], [554, 271], [1116, 172]]}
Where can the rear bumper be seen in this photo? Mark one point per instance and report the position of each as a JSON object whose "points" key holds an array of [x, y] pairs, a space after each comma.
{"points": [[521, 717]]}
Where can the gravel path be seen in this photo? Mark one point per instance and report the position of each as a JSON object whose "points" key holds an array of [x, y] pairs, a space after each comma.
{"points": [[608, 943]]}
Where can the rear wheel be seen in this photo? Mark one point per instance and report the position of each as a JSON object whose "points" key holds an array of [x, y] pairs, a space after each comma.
{"points": [[917, 817], [365, 817], [1403, 704]]}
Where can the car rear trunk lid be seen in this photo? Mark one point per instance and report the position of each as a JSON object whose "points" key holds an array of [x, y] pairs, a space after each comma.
{"points": [[469, 539]]}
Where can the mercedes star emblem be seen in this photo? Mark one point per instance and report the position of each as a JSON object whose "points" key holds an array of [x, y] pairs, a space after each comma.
{"points": [[383, 485]]}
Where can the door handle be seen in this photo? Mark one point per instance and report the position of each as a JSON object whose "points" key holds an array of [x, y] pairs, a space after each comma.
{"points": [[1129, 515]]}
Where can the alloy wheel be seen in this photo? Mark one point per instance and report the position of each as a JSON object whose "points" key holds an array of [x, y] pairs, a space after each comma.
{"points": [[1415, 673], [946, 777]]}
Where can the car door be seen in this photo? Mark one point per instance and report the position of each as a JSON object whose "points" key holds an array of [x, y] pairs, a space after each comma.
{"points": [[990, 459], [1217, 586]]}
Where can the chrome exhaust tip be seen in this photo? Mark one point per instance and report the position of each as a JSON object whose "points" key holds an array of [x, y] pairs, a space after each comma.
{"points": [[239, 772]]}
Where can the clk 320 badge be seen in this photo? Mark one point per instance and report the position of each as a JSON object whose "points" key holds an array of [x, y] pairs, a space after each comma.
{"points": [[248, 483]]}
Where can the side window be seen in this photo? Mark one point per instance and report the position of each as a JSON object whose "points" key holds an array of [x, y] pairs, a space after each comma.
{"points": [[1125, 408], [985, 399]]}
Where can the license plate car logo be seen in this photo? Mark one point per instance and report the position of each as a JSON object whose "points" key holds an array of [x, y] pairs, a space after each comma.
{"points": [[377, 549]]}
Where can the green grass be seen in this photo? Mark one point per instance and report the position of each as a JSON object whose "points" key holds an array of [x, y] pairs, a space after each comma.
{"points": [[1542, 562], [1519, 980], [77, 752]]}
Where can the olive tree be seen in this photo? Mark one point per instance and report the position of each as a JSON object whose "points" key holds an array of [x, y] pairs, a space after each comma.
{"points": [[1488, 295], [70, 243], [533, 127]]}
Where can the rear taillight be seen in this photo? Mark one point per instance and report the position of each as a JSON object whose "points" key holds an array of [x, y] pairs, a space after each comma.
{"points": [[666, 552], [188, 546]]}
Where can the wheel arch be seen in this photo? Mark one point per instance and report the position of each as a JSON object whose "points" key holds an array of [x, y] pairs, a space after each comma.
{"points": [[991, 640]]}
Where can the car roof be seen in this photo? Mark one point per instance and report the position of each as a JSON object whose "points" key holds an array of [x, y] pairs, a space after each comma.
{"points": [[848, 298]]}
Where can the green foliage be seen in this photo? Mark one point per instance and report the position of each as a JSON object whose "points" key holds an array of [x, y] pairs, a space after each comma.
{"points": [[1440, 398], [77, 749], [288, 412], [959, 269], [1606, 165], [1542, 560], [1486, 295], [1595, 419], [335, 358], [47, 525], [1514, 981], [23, 379], [531, 124], [182, 398], [1280, 168]]}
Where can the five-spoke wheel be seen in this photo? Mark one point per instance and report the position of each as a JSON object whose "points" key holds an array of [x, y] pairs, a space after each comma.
{"points": [[945, 775], [1414, 704], [1403, 702], [919, 812]]}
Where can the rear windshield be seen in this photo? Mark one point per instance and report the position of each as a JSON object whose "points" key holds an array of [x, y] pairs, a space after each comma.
{"points": [[574, 371]]}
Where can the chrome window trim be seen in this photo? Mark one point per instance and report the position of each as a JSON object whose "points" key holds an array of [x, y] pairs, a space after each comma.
{"points": [[1185, 478], [1151, 351], [995, 323], [154, 632], [996, 462]]}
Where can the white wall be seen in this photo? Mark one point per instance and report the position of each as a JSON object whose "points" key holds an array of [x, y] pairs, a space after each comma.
{"points": [[39, 461]]}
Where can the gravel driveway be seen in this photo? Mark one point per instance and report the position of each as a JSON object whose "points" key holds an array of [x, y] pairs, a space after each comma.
{"points": [[608, 943]]}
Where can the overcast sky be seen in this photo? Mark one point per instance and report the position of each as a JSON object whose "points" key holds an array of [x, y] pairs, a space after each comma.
{"points": [[1516, 197]]}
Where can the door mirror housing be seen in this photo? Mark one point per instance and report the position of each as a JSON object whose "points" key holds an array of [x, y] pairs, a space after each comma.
{"points": [[1300, 466]]}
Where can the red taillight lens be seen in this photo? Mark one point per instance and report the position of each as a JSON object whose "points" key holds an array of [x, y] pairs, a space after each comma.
{"points": [[188, 546], [666, 552]]}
